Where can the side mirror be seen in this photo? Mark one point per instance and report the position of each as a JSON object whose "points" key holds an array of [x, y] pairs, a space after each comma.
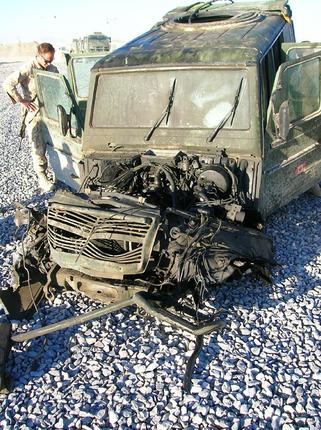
{"points": [[284, 120], [63, 119]]}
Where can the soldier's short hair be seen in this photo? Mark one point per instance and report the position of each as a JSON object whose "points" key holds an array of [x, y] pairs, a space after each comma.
{"points": [[43, 48]]}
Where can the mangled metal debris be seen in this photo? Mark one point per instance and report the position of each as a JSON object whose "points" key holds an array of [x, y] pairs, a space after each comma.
{"points": [[115, 247]]}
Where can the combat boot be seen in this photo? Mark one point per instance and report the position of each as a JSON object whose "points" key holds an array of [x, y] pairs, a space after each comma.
{"points": [[44, 184]]}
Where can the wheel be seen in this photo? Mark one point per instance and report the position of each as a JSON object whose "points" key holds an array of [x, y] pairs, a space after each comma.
{"points": [[316, 190]]}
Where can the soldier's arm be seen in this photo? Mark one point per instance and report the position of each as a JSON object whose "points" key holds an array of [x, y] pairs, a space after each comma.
{"points": [[10, 86], [11, 82]]}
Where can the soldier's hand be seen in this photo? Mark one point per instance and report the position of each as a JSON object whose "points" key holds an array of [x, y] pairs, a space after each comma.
{"points": [[29, 105]]}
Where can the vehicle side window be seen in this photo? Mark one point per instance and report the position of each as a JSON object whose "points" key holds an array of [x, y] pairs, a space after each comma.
{"points": [[82, 67], [53, 94], [298, 52], [302, 89]]}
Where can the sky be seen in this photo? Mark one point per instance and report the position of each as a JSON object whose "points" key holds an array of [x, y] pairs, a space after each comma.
{"points": [[60, 21]]}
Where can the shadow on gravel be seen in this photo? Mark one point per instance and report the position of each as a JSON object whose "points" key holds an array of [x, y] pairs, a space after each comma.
{"points": [[40, 355], [294, 251], [59, 350]]}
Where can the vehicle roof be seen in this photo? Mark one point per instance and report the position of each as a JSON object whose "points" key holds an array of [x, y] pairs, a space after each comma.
{"points": [[239, 33]]}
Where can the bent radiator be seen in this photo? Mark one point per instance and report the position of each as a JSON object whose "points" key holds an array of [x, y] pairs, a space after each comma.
{"points": [[108, 242]]}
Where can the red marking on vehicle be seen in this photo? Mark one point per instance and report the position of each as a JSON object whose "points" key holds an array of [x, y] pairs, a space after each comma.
{"points": [[301, 168]]}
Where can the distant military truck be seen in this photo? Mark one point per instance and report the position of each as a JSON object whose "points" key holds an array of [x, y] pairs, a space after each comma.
{"points": [[96, 42]]}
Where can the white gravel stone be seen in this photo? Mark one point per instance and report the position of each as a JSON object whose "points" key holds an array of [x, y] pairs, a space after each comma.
{"points": [[59, 424], [250, 392], [288, 427], [197, 419], [244, 410], [113, 417]]}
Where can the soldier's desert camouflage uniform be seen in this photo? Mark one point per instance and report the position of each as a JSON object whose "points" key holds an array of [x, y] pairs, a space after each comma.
{"points": [[25, 77]]}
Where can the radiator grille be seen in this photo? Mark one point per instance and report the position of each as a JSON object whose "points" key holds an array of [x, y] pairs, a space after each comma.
{"points": [[107, 243]]}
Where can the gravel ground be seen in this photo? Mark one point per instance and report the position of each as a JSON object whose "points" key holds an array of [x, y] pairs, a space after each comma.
{"points": [[262, 372]]}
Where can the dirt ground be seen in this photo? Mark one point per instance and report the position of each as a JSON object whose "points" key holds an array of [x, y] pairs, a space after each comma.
{"points": [[17, 51]]}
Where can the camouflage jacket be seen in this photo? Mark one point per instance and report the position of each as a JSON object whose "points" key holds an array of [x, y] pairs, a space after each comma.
{"points": [[25, 78]]}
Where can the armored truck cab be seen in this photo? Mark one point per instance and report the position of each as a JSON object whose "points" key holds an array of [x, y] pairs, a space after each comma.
{"points": [[239, 84], [213, 112], [233, 81]]}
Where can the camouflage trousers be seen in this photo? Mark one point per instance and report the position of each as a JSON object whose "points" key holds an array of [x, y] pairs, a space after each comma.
{"points": [[38, 147]]}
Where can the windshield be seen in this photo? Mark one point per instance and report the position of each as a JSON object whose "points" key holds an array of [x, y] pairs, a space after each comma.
{"points": [[97, 37], [82, 67], [202, 99]]}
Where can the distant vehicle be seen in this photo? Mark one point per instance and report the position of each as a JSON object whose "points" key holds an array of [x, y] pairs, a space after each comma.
{"points": [[96, 42]]}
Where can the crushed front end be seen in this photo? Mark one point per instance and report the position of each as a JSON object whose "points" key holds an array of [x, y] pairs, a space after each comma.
{"points": [[170, 226], [149, 232]]}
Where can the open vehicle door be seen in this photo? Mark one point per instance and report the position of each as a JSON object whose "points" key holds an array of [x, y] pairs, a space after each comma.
{"points": [[79, 66], [62, 104], [295, 51], [293, 131]]}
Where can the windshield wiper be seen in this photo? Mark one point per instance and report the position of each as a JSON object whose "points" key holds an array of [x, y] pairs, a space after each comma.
{"points": [[165, 114], [230, 114]]}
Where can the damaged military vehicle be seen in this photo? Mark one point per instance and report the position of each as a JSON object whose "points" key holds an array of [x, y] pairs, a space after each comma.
{"points": [[176, 149]]}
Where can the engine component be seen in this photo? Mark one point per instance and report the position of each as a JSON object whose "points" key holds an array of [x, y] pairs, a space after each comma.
{"points": [[180, 182], [215, 180]]}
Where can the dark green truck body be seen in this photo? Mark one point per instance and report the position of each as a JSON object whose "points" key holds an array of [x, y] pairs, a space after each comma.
{"points": [[218, 47], [214, 110]]}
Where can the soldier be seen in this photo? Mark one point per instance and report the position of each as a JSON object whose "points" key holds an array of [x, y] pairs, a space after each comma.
{"points": [[27, 98]]}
